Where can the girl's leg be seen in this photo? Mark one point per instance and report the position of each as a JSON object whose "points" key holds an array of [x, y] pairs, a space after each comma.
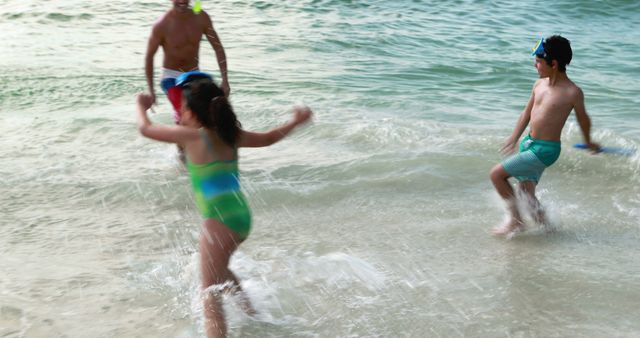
{"points": [[217, 244], [241, 296]]}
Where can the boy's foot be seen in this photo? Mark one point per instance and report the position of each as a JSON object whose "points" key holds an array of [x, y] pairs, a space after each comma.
{"points": [[549, 228], [513, 233], [509, 228]]}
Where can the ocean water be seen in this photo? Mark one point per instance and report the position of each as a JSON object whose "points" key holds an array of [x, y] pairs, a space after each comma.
{"points": [[371, 222]]}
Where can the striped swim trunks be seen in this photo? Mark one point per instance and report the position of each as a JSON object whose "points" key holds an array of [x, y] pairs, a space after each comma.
{"points": [[534, 157]]}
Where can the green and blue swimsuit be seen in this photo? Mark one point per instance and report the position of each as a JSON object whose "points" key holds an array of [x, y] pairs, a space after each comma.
{"points": [[216, 188]]}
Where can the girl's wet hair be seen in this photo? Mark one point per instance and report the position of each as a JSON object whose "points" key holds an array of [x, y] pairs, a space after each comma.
{"points": [[212, 109]]}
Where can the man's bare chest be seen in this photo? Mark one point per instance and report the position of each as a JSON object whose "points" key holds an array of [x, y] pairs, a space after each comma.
{"points": [[177, 35]]}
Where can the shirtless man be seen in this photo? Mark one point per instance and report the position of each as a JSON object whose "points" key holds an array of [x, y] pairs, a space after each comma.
{"points": [[179, 32], [553, 98]]}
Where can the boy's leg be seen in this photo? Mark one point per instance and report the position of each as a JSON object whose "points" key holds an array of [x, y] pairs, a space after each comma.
{"points": [[499, 178], [537, 212]]}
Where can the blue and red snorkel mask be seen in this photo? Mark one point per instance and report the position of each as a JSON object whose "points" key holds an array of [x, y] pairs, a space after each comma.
{"points": [[183, 79], [175, 87]]}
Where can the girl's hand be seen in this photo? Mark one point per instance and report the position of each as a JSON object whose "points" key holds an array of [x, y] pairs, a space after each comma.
{"points": [[301, 114], [145, 101]]}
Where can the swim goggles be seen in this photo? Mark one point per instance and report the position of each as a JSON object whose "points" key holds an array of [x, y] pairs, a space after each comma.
{"points": [[197, 8], [183, 79], [538, 50]]}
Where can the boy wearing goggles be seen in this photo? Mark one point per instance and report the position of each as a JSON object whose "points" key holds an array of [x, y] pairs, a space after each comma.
{"points": [[552, 99]]}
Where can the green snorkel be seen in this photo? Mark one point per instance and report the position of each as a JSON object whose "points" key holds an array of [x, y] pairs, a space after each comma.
{"points": [[197, 7]]}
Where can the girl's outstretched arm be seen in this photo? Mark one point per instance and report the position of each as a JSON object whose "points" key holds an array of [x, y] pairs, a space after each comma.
{"points": [[174, 134], [252, 139]]}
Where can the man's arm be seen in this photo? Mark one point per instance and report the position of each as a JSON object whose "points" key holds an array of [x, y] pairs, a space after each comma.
{"points": [[584, 121], [152, 47], [214, 40]]}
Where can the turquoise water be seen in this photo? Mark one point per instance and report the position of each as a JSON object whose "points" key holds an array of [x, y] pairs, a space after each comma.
{"points": [[373, 221]]}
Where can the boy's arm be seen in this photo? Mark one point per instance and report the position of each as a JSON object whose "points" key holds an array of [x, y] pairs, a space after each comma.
{"points": [[173, 134], [253, 139], [152, 48], [521, 125], [214, 40], [584, 121]]}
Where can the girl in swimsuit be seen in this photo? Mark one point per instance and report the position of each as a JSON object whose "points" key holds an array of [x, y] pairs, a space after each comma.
{"points": [[211, 136]]}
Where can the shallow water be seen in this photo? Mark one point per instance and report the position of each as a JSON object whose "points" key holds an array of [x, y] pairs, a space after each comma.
{"points": [[373, 221]]}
